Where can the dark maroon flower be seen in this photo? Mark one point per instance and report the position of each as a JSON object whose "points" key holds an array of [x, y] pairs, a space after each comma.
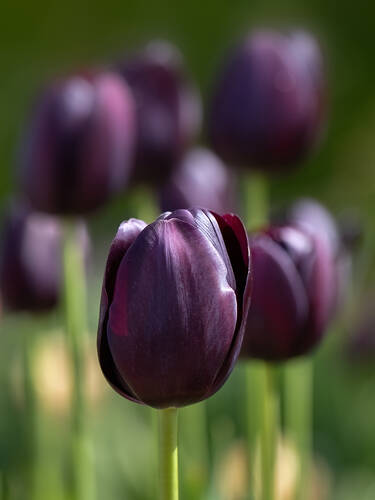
{"points": [[269, 101], [200, 180], [168, 109], [174, 300], [30, 265], [80, 146], [293, 293]]}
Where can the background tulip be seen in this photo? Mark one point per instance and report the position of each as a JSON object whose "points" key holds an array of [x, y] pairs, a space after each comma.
{"points": [[268, 103], [293, 294], [31, 260], [168, 109], [174, 301], [200, 180], [79, 149]]}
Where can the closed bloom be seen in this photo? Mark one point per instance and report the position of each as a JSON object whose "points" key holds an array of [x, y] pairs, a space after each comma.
{"points": [[174, 301], [168, 109], [268, 105], [80, 145], [30, 265], [293, 293], [200, 180]]}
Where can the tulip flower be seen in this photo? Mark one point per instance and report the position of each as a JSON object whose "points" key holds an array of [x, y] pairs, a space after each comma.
{"points": [[269, 101], [80, 146], [293, 294], [31, 269], [174, 302], [200, 180], [168, 109]]}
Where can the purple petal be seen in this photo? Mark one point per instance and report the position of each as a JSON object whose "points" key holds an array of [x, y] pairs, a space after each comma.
{"points": [[126, 235], [279, 306], [237, 245]]}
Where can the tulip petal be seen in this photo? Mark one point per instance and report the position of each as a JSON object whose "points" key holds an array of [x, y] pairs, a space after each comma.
{"points": [[126, 235], [173, 315], [279, 305], [237, 245]]}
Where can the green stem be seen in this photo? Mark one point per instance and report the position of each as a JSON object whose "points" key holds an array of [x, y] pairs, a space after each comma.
{"points": [[269, 430], [30, 412], [255, 195], [75, 310], [298, 394], [253, 380], [168, 454]]}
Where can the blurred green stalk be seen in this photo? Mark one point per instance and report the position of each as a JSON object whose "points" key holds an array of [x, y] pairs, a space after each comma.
{"points": [[268, 429], [168, 457], [298, 399], [255, 200], [29, 420], [75, 310]]}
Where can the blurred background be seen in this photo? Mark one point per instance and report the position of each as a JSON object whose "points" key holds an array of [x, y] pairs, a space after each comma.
{"points": [[41, 39]]}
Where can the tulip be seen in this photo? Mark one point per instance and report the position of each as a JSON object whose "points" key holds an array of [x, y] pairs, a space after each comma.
{"points": [[80, 146], [30, 268], [200, 180], [293, 294], [268, 105], [168, 109], [174, 301]]}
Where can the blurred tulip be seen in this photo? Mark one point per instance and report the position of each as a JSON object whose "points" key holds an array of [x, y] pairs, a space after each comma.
{"points": [[268, 105], [80, 147], [174, 301], [200, 180], [168, 109], [293, 293], [30, 267]]}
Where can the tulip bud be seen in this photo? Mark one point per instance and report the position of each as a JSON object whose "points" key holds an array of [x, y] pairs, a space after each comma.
{"points": [[200, 180], [293, 293], [174, 301], [80, 147], [268, 104], [168, 109], [30, 266]]}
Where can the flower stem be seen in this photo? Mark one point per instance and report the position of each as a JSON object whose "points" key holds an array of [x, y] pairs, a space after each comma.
{"points": [[298, 394], [255, 201], [255, 196], [30, 412], [75, 310], [168, 457], [269, 431]]}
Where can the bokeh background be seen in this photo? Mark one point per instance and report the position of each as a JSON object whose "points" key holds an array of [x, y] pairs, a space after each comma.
{"points": [[41, 39]]}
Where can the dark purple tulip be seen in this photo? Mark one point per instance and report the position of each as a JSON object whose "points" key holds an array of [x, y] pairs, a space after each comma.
{"points": [[200, 180], [30, 265], [269, 101], [168, 109], [174, 300], [80, 146], [293, 292]]}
